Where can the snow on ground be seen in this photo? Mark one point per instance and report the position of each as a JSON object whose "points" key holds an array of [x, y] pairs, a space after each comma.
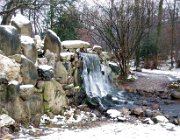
{"points": [[175, 72], [113, 131]]}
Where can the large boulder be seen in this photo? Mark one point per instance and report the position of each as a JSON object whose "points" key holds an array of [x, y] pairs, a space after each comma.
{"points": [[35, 108], [54, 97], [18, 110], [22, 24], [9, 69], [28, 71], [28, 48], [9, 38], [52, 42], [61, 73]]}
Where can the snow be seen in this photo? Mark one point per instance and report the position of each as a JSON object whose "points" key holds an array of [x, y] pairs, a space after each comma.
{"points": [[67, 55], [74, 44], [6, 120], [27, 40], [26, 86], [10, 29], [13, 82], [20, 20], [175, 72], [124, 131], [53, 33], [113, 113], [45, 67], [97, 47]]}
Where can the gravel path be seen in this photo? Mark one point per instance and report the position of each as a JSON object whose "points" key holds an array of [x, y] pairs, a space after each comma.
{"points": [[151, 82]]}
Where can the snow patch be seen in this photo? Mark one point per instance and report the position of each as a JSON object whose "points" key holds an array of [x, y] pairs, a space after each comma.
{"points": [[20, 20], [27, 40], [26, 86], [45, 67], [175, 72]]}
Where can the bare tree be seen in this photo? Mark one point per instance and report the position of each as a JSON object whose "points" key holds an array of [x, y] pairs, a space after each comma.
{"points": [[121, 25]]}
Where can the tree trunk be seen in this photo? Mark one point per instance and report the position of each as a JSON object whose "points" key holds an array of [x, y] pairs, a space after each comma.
{"points": [[159, 26]]}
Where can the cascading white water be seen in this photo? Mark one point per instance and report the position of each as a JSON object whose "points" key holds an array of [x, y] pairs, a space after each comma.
{"points": [[96, 82]]}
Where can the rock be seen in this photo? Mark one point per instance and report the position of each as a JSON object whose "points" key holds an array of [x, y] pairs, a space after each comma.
{"points": [[39, 45], [76, 77], [77, 98], [97, 49], [175, 95], [9, 38], [137, 111], [61, 73], [54, 97], [18, 110], [113, 113], [176, 121], [121, 119], [6, 120], [26, 91], [148, 121], [28, 48], [160, 119], [16, 57], [12, 91], [35, 107], [50, 58], [68, 87], [52, 42], [9, 69], [67, 56], [22, 24], [155, 106], [38, 42], [28, 71], [75, 44], [45, 72], [125, 111]]}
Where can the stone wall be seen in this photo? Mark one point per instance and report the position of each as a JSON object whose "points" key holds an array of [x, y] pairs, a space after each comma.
{"points": [[36, 76]]}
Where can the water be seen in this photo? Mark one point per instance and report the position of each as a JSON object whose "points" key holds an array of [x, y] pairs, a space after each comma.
{"points": [[98, 84]]}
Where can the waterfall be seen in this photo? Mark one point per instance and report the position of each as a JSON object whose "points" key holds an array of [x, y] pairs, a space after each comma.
{"points": [[97, 81]]}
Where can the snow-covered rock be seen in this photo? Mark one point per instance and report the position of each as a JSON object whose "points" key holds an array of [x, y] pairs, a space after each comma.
{"points": [[75, 44], [9, 38], [148, 121], [22, 24], [26, 91], [66, 56], [6, 120], [52, 42], [28, 48], [160, 119], [97, 49], [113, 113], [45, 72]]}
